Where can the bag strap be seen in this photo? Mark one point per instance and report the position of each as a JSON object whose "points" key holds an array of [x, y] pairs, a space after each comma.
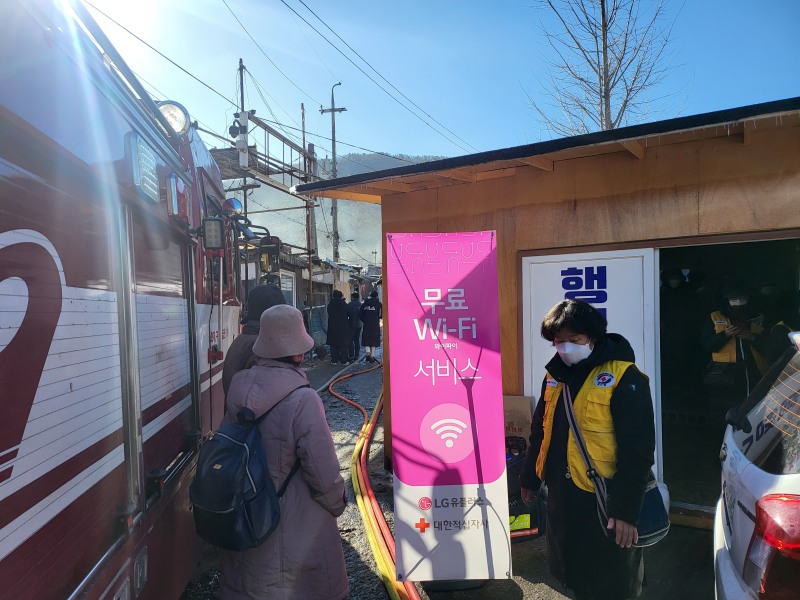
{"points": [[600, 490], [296, 465], [289, 477], [264, 416]]}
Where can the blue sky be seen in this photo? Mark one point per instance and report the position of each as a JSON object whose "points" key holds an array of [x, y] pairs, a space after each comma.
{"points": [[470, 65]]}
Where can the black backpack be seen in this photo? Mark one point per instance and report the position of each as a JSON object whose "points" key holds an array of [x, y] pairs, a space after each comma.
{"points": [[233, 498]]}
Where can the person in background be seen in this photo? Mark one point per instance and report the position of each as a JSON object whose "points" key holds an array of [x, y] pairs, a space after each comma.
{"points": [[371, 315], [240, 354], [354, 316], [732, 336], [303, 558], [614, 412], [339, 335]]}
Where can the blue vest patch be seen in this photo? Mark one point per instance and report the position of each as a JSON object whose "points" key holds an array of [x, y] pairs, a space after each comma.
{"points": [[604, 379]]}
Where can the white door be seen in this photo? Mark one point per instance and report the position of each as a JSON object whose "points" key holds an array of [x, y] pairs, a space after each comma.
{"points": [[622, 283], [287, 287]]}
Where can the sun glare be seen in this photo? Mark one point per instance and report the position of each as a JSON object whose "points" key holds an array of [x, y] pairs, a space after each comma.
{"points": [[139, 16]]}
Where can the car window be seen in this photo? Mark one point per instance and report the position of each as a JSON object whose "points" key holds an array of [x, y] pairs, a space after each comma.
{"points": [[780, 410]]}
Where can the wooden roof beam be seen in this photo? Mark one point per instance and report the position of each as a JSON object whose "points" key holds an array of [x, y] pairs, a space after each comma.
{"points": [[392, 185], [459, 175], [496, 174], [348, 195], [634, 147], [540, 162], [747, 132]]}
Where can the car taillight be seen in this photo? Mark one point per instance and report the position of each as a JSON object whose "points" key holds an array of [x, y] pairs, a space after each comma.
{"points": [[772, 564]]}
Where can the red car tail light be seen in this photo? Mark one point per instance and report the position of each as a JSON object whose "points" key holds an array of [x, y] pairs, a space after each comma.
{"points": [[772, 564]]}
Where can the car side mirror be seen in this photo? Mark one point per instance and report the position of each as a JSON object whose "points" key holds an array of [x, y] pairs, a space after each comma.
{"points": [[737, 420]]}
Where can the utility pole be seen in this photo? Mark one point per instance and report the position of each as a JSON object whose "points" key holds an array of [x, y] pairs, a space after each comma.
{"points": [[309, 213], [334, 208], [244, 192]]}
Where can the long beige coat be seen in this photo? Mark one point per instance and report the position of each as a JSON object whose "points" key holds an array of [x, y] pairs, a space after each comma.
{"points": [[303, 558]]}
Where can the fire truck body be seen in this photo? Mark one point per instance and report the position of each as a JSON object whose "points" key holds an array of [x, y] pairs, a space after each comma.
{"points": [[113, 317]]}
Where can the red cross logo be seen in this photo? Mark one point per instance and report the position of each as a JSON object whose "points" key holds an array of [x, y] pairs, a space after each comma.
{"points": [[422, 525]]}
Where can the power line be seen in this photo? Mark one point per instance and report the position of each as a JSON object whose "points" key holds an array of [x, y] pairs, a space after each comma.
{"points": [[356, 253], [384, 78], [231, 102], [368, 76], [206, 127], [411, 162], [301, 30], [161, 54], [289, 79]]}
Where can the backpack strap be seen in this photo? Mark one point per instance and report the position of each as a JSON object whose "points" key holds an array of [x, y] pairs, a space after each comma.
{"points": [[289, 477], [264, 416], [296, 465]]}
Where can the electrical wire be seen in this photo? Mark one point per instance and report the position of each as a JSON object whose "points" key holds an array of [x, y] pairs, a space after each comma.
{"points": [[368, 76], [384, 78], [308, 41], [161, 54], [234, 104], [262, 92], [289, 79], [228, 100], [356, 253], [338, 141]]}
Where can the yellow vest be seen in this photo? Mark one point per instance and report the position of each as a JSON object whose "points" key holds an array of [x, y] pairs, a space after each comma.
{"points": [[592, 407], [727, 354]]}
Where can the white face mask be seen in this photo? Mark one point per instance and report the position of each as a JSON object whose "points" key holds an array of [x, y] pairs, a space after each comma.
{"points": [[738, 301], [572, 354]]}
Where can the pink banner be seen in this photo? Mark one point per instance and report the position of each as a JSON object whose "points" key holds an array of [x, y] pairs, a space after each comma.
{"points": [[444, 337]]}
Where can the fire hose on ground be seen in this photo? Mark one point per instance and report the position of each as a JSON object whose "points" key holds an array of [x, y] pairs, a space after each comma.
{"points": [[380, 537]]}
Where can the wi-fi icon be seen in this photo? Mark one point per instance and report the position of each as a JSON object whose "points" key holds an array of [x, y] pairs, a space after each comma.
{"points": [[449, 430]]}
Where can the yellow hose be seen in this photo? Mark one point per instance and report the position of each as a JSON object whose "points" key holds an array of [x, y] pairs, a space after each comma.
{"points": [[379, 550]]}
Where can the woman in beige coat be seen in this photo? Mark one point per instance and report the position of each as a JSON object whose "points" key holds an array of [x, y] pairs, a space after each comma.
{"points": [[303, 558]]}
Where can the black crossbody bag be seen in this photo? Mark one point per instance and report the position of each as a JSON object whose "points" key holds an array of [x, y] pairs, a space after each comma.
{"points": [[653, 524]]}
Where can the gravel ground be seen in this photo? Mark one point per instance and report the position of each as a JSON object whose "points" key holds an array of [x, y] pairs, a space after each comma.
{"points": [[679, 567]]}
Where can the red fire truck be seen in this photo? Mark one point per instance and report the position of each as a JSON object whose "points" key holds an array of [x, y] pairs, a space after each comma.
{"points": [[118, 300]]}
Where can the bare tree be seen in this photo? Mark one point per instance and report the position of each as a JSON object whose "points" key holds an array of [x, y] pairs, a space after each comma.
{"points": [[607, 55]]}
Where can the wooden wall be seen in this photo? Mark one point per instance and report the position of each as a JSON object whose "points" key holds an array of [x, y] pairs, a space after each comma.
{"points": [[690, 191]]}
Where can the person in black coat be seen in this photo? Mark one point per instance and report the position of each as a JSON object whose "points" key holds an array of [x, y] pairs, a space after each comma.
{"points": [[338, 328], [354, 315], [371, 314], [240, 354], [614, 410]]}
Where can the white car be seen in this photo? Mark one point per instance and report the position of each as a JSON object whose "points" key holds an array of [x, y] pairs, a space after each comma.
{"points": [[757, 522]]}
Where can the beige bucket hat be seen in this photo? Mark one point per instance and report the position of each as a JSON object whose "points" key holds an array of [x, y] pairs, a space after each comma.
{"points": [[282, 333]]}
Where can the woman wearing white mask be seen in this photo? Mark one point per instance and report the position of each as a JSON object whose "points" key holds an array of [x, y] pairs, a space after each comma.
{"points": [[614, 411]]}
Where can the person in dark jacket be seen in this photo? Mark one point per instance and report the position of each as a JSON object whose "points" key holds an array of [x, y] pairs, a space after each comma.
{"points": [[354, 316], [732, 335], [371, 314], [614, 411], [240, 354], [338, 328]]}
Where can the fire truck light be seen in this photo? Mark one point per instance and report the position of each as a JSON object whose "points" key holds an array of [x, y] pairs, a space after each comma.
{"points": [[213, 234], [176, 115]]}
